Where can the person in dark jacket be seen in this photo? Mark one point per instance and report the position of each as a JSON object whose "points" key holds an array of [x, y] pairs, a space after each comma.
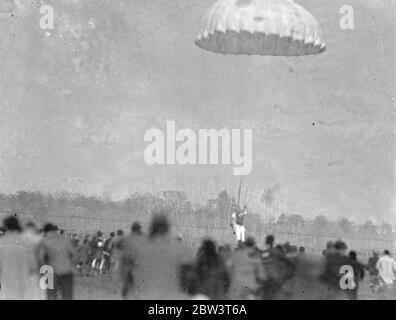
{"points": [[358, 275], [331, 275], [213, 278], [56, 250], [371, 267]]}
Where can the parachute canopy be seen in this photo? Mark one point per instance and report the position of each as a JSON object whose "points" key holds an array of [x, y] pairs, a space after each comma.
{"points": [[260, 27]]}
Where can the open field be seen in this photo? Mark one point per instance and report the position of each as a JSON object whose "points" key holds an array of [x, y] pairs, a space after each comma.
{"points": [[103, 288]]}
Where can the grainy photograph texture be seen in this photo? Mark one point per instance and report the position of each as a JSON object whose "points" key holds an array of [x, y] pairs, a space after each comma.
{"points": [[197, 150]]}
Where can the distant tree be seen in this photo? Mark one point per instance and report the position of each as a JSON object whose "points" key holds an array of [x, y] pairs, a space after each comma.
{"points": [[344, 225], [24, 198], [369, 225], [295, 219], [224, 206], [320, 223], [368, 228], [174, 197], [176, 201], [223, 202], [282, 219]]}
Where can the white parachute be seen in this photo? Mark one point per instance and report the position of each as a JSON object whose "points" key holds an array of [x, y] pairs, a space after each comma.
{"points": [[260, 27]]}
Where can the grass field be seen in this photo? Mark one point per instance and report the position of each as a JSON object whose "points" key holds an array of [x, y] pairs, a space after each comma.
{"points": [[103, 288]]}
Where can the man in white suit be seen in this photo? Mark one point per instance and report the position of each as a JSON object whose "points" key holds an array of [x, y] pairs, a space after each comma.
{"points": [[238, 217]]}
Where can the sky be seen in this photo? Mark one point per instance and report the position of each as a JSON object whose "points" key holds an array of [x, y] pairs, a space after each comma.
{"points": [[76, 101]]}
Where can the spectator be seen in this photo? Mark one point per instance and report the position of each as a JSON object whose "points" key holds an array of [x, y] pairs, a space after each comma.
{"points": [[136, 229], [213, 278], [371, 267], [56, 250], [157, 260], [358, 275], [386, 266], [247, 272], [335, 256], [18, 264]]}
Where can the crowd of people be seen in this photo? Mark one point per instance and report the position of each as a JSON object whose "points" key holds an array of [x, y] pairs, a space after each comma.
{"points": [[43, 263]]}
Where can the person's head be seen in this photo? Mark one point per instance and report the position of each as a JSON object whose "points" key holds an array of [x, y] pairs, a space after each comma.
{"points": [[301, 250], [12, 224], [207, 254], [49, 227], [250, 242], [387, 252], [375, 253], [136, 228], [330, 245], [353, 255], [340, 247], [159, 226], [120, 233], [269, 241], [99, 234], [112, 234]]}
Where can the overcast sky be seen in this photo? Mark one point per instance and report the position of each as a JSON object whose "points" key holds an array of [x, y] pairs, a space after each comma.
{"points": [[75, 104]]}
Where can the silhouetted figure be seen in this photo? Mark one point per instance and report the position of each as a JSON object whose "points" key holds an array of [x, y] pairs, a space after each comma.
{"points": [[371, 267], [247, 272], [329, 249], [331, 276], [301, 252], [269, 242], [117, 247], [278, 267], [358, 275], [56, 250], [33, 238], [136, 229], [18, 263], [82, 257], [213, 279], [127, 261], [107, 251], [155, 262]]}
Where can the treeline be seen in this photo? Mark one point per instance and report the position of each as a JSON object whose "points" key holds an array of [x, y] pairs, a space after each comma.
{"points": [[214, 214]]}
